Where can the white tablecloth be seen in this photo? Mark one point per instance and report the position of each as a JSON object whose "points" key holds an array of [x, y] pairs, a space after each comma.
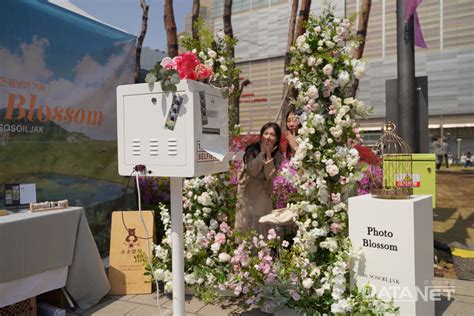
{"points": [[35, 247]]}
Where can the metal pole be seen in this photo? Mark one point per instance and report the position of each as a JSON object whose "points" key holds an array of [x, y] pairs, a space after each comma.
{"points": [[458, 151], [176, 185], [406, 78]]}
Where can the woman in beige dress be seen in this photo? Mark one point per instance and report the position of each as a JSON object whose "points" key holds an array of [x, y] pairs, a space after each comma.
{"points": [[261, 162]]}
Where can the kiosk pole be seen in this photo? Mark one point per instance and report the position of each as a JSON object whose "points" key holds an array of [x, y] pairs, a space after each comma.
{"points": [[176, 185]]}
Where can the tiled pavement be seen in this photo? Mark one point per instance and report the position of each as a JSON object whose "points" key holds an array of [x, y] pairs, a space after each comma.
{"points": [[144, 305]]}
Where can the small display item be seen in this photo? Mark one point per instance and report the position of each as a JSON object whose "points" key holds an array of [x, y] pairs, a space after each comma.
{"points": [[202, 102], [49, 206], [174, 112]]}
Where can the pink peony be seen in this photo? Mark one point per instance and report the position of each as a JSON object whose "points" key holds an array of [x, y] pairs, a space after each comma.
{"points": [[168, 63]]}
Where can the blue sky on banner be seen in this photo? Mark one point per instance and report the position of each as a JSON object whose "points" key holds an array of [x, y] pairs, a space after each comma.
{"points": [[80, 62], [68, 35]]}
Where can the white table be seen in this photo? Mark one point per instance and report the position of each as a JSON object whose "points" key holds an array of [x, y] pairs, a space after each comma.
{"points": [[47, 250]]}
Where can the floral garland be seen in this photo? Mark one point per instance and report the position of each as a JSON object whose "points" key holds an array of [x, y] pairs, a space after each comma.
{"points": [[321, 70], [209, 212]]}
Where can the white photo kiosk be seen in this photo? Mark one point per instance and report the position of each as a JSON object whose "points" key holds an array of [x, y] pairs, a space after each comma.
{"points": [[173, 134]]}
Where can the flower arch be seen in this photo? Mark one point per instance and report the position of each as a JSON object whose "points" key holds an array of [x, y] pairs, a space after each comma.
{"points": [[309, 273]]}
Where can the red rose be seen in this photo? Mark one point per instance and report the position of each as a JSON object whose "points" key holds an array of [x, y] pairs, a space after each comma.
{"points": [[186, 64]]}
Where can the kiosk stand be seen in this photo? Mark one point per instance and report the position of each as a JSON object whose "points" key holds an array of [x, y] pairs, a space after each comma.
{"points": [[396, 237], [178, 135]]}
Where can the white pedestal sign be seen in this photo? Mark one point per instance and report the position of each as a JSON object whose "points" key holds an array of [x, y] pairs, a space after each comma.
{"points": [[396, 237]]}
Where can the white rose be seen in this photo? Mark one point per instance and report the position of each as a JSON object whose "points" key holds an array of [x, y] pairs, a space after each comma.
{"points": [[223, 67], [312, 92], [308, 283], [212, 53], [343, 78], [202, 55], [215, 247], [213, 224], [209, 262], [160, 274], [209, 62], [205, 199], [329, 213], [330, 44], [300, 40], [319, 292], [311, 61], [336, 131], [359, 72], [224, 257], [222, 60], [332, 170], [327, 70]]}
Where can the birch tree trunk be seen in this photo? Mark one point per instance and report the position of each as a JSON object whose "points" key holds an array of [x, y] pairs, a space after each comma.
{"points": [[361, 37], [170, 26], [196, 8], [289, 93], [138, 52]]}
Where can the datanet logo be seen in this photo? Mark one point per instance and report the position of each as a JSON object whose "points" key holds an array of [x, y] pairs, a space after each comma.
{"points": [[410, 294]]}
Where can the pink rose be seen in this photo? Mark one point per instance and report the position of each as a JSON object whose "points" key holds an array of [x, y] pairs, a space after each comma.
{"points": [[335, 227], [220, 238], [168, 63], [224, 227], [327, 70], [203, 243], [271, 234], [336, 198], [203, 72]]}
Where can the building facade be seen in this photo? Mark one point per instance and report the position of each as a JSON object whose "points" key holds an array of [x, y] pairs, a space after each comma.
{"points": [[261, 27]]}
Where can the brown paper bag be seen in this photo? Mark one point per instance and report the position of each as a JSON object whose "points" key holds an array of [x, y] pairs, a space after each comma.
{"points": [[127, 244]]}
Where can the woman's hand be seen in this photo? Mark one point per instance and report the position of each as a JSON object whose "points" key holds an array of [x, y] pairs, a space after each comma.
{"points": [[291, 140], [266, 148]]}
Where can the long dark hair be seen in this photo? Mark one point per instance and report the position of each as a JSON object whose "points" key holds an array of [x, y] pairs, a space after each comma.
{"points": [[296, 112], [254, 149]]}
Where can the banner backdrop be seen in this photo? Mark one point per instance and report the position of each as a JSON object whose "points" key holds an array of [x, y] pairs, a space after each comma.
{"points": [[58, 75]]}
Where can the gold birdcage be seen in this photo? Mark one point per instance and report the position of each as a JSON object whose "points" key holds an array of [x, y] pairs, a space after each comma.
{"points": [[397, 163]]}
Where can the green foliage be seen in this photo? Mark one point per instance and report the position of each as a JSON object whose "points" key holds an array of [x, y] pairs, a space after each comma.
{"points": [[168, 78]]}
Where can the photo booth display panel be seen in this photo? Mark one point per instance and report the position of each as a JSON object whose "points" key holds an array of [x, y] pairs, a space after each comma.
{"points": [[177, 134]]}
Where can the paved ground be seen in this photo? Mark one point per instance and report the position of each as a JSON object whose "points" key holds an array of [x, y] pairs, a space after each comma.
{"points": [[462, 303]]}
